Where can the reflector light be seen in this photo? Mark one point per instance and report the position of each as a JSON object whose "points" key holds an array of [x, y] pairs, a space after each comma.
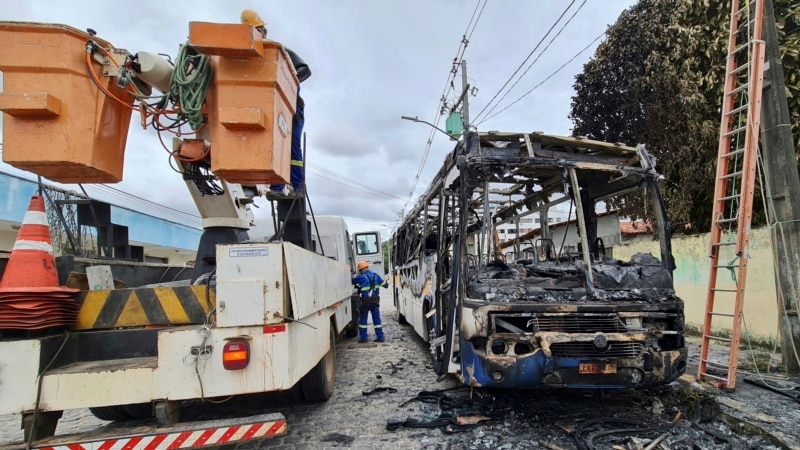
{"points": [[236, 355]]}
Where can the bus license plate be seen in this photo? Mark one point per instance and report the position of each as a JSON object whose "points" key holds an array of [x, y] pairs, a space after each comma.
{"points": [[589, 368]]}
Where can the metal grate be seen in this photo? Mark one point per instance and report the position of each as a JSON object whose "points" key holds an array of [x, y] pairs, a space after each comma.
{"points": [[562, 323], [588, 350]]}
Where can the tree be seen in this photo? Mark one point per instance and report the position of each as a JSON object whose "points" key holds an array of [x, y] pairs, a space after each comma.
{"points": [[658, 79]]}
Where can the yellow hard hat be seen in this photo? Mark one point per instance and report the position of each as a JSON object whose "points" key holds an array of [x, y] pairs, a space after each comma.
{"points": [[250, 17], [362, 265]]}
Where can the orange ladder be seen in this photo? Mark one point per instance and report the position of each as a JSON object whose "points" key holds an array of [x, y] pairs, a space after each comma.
{"points": [[735, 183]]}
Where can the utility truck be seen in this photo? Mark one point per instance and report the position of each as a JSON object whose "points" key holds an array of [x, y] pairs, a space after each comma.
{"points": [[256, 315]]}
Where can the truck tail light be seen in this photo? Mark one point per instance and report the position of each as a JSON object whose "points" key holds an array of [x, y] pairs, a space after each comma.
{"points": [[236, 355]]}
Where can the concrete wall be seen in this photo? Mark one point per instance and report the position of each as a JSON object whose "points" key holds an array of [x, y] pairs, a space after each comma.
{"points": [[7, 239], [691, 281]]}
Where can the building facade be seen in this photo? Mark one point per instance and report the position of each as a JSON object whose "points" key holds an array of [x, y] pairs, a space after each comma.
{"points": [[154, 239]]}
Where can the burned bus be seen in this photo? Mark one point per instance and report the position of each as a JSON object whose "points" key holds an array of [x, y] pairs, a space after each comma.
{"points": [[559, 310]]}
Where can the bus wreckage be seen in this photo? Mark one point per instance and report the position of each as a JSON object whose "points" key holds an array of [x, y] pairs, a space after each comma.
{"points": [[544, 312]]}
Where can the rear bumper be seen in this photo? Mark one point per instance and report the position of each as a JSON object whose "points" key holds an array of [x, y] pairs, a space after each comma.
{"points": [[537, 370]]}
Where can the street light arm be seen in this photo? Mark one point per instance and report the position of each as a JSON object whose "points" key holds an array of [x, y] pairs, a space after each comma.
{"points": [[417, 119]]}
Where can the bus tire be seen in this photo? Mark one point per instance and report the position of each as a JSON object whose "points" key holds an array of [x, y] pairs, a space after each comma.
{"points": [[317, 385], [401, 319], [116, 413]]}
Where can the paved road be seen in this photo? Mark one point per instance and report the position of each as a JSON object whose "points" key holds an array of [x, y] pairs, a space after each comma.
{"points": [[519, 420], [348, 419]]}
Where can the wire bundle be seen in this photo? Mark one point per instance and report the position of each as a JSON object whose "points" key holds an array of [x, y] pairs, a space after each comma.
{"points": [[189, 83]]}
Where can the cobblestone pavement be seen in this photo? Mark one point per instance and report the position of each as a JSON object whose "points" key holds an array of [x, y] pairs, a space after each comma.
{"points": [[514, 420]]}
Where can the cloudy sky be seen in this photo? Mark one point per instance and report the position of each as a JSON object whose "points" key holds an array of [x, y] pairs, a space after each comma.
{"points": [[372, 61]]}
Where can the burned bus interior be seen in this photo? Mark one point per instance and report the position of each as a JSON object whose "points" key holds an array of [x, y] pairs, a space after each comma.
{"points": [[541, 291]]}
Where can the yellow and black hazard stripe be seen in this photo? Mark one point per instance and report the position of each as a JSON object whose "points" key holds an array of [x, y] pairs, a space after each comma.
{"points": [[138, 307]]}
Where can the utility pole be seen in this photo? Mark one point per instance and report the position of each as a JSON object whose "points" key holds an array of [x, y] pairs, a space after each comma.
{"points": [[783, 193], [465, 88]]}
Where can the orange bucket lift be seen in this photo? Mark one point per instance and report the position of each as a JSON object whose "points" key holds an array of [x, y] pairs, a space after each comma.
{"points": [[58, 122], [250, 102], [67, 118]]}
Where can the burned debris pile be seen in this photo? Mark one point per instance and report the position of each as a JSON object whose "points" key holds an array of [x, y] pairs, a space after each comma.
{"points": [[643, 278]]}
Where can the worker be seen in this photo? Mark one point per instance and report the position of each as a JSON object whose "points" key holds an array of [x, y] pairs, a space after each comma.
{"points": [[297, 170], [369, 283]]}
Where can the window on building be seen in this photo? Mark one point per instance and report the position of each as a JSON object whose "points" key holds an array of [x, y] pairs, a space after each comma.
{"points": [[155, 259]]}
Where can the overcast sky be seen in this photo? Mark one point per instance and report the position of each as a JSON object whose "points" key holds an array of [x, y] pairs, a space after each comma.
{"points": [[372, 61]]}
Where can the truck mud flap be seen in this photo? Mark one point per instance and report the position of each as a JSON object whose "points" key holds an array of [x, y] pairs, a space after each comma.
{"points": [[209, 433]]}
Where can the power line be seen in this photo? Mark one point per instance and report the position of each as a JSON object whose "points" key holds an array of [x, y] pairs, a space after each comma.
{"points": [[365, 190], [166, 214], [149, 207], [526, 59], [124, 196], [462, 48], [563, 27], [548, 77], [345, 181], [353, 219]]}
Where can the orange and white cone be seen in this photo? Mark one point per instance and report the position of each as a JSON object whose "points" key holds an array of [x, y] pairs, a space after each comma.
{"points": [[31, 267]]}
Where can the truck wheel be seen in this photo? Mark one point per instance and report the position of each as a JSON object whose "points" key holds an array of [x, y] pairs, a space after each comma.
{"points": [[317, 385], [139, 410], [351, 330], [115, 413]]}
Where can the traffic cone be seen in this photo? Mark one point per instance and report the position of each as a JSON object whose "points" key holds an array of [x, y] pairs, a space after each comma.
{"points": [[31, 267], [30, 297]]}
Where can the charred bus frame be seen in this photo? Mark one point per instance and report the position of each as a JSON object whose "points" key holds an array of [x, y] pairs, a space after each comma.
{"points": [[579, 319]]}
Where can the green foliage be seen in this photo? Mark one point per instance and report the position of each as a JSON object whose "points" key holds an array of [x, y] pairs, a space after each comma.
{"points": [[387, 247], [658, 79]]}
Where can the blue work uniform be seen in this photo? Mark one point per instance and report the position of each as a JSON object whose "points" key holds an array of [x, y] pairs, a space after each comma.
{"points": [[297, 169], [369, 284]]}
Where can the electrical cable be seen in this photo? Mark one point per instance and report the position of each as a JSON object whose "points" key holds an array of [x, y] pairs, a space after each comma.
{"points": [[477, 116], [189, 82], [773, 223], [755, 363], [546, 78], [366, 189], [166, 212], [354, 182], [563, 27], [447, 86], [583, 438]]}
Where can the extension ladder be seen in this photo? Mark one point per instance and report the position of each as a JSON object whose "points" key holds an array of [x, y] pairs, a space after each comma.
{"points": [[735, 184]]}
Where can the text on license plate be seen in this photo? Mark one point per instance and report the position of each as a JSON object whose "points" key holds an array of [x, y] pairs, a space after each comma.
{"points": [[596, 368]]}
